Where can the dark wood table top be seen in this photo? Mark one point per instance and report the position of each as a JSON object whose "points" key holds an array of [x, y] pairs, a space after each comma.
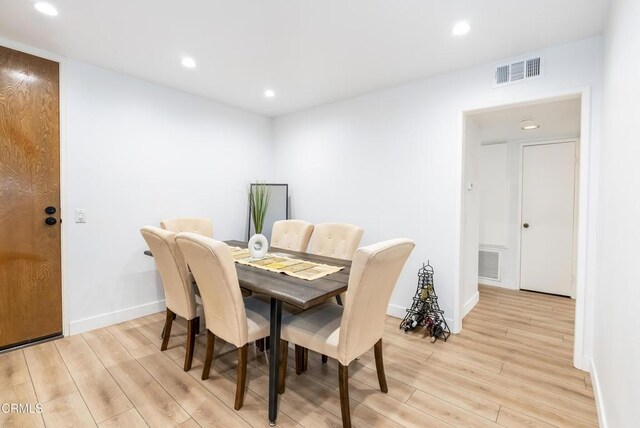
{"points": [[297, 292]]}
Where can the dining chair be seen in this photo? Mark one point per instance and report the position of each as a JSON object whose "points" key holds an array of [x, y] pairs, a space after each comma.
{"points": [[227, 315], [178, 289], [291, 234], [336, 240], [346, 332], [199, 225]]}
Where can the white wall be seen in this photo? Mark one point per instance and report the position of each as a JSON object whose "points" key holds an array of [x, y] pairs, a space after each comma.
{"points": [[497, 206], [494, 185], [391, 161], [616, 358], [469, 295], [136, 153]]}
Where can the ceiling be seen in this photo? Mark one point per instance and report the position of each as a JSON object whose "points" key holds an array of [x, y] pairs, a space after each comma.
{"points": [[560, 118], [309, 52]]}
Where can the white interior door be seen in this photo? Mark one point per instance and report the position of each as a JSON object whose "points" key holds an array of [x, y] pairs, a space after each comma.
{"points": [[548, 195]]}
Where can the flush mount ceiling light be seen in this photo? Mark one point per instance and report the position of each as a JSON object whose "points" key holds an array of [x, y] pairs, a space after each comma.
{"points": [[269, 93], [46, 8], [188, 62], [461, 28], [528, 125]]}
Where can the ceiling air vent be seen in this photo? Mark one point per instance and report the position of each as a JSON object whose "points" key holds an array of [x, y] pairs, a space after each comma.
{"points": [[489, 265], [518, 70]]}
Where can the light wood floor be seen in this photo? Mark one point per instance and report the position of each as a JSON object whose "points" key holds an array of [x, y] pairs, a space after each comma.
{"points": [[511, 366]]}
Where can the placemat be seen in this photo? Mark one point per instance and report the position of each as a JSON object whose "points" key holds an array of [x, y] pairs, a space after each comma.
{"points": [[279, 263]]}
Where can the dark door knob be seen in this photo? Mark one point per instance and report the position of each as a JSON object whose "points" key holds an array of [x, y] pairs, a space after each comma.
{"points": [[526, 225], [50, 210], [51, 221]]}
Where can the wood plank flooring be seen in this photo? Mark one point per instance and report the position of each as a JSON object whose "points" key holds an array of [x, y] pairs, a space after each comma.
{"points": [[511, 366]]}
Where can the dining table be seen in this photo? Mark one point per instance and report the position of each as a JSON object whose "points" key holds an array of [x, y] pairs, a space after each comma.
{"points": [[300, 293]]}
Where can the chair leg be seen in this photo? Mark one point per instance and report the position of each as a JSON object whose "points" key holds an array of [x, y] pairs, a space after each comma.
{"points": [[197, 325], [191, 343], [299, 353], [382, 379], [343, 380], [167, 329], [242, 376], [260, 345], [209, 357], [305, 359], [282, 375]]}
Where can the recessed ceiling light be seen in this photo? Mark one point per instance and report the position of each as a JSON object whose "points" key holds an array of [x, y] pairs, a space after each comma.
{"points": [[189, 62], [528, 125], [46, 8], [461, 28], [269, 93]]}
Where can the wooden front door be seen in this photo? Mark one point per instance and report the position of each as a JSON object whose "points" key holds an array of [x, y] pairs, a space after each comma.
{"points": [[30, 277]]}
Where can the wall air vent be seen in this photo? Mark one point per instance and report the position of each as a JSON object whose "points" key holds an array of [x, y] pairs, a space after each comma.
{"points": [[489, 265], [502, 74], [518, 70]]}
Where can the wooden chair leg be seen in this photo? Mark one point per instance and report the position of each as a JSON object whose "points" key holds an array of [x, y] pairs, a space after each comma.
{"points": [[191, 342], [197, 326], [299, 360], [167, 329], [260, 345], [305, 359], [209, 357], [343, 380], [242, 376], [282, 374], [382, 379]]}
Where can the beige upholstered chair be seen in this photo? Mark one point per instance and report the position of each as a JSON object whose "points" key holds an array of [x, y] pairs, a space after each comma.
{"points": [[346, 332], [227, 315], [291, 234], [178, 290], [337, 240], [199, 225]]}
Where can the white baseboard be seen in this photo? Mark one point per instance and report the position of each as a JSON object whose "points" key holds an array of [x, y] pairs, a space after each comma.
{"points": [[470, 304], [597, 392], [396, 311], [502, 284], [115, 317], [586, 364]]}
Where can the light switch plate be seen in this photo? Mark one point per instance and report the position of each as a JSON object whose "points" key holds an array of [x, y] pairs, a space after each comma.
{"points": [[81, 215]]}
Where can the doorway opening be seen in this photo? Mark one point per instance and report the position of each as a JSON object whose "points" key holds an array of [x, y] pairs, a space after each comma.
{"points": [[521, 206]]}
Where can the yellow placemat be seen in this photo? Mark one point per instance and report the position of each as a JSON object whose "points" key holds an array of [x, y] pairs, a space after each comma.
{"points": [[281, 264]]}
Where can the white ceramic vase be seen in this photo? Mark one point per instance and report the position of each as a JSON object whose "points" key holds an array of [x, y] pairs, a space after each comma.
{"points": [[258, 246]]}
